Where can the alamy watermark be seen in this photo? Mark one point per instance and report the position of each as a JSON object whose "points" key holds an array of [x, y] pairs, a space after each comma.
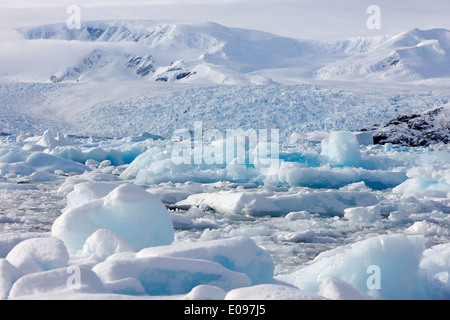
{"points": [[74, 280], [249, 147], [374, 20], [74, 19], [374, 280]]}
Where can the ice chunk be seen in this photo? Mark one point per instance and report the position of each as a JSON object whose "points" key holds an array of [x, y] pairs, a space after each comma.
{"points": [[40, 176], [313, 137], [39, 254], [335, 289], [9, 240], [296, 174], [328, 203], [342, 148], [427, 228], [168, 276], [426, 181], [103, 243], [50, 163], [436, 260], [49, 141], [231, 202], [239, 254], [364, 138], [8, 275], [87, 191], [170, 196], [206, 292], [433, 282], [271, 292], [57, 282], [299, 215], [384, 267], [128, 211], [181, 222], [20, 168], [91, 176], [128, 286], [302, 236], [265, 203], [363, 214]]}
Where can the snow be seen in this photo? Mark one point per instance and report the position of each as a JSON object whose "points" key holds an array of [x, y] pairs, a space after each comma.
{"points": [[39, 254], [411, 55]]}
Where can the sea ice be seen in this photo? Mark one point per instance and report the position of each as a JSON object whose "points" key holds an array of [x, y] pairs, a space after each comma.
{"points": [[328, 203], [57, 284], [384, 267], [342, 148], [129, 211], [239, 254], [168, 275]]}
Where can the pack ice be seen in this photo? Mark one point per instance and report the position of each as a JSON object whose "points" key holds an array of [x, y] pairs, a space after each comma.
{"points": [[336, 220]]}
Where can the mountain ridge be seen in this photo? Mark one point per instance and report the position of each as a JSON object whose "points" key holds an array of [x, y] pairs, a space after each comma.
{"points": [[215, 54]]}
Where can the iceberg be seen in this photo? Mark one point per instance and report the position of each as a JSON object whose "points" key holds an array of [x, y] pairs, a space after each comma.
{"points": [[38, 254], [342, 148], [166, 275], [128, 211], [384, 267], [327, 203]]}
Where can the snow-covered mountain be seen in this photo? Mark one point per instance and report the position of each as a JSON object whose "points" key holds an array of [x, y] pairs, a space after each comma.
{"points": [[416, 130], [99, 64], [411, 55], [211, 52]]}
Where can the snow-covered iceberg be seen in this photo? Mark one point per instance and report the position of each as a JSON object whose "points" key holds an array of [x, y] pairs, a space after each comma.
{"points": [[129, 211]]}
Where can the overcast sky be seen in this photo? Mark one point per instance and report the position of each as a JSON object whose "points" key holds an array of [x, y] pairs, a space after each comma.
{"points": [[313, 19]]}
